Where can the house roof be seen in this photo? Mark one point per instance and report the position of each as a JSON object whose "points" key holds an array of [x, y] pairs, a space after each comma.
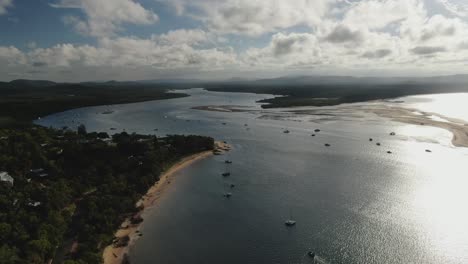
{"points": [[5, 177]]}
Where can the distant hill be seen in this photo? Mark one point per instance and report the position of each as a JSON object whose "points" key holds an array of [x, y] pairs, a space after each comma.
{"points": [[32, 83], [295, 91], [279, 81], [334, 90]]}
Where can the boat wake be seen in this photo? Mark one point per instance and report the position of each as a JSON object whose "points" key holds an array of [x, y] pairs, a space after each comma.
{"points": [[316, 260]]}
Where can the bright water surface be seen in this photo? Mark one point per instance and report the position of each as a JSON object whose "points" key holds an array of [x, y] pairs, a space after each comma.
{"points": [[353, 202]]}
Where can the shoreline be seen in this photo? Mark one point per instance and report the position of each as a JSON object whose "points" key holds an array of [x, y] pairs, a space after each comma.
{"points": [[116, 255], [458, 128]]}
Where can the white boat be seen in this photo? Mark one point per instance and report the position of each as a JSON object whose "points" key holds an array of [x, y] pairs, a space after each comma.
{"points": [[290, 222]]}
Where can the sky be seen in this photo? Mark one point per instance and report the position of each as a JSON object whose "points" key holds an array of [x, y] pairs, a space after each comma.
{"points": [[98, 40]]}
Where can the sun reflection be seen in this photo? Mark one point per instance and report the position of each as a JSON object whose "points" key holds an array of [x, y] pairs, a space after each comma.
{"points": [[449, 105], [442, 199]]}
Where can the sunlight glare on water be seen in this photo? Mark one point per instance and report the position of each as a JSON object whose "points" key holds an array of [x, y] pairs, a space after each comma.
{"points": [[439, 199], [449, 105]]}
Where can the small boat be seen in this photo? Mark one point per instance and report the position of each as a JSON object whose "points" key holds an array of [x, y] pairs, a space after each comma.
{"points": [[226, 174], [228, 161], [313, 135], [378, 144], [290, 222], [317, 130], [311, 254], [370, 139], [327, 145], [286, 131], [392, 134], [428, 150], [227, 195], [389, 152]]}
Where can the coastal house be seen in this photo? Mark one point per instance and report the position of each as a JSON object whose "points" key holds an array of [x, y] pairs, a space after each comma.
{"points": [[5, 177], [34, 204]]}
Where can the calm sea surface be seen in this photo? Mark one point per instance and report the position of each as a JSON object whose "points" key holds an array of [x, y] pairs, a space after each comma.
{"points": [[353, 202]]}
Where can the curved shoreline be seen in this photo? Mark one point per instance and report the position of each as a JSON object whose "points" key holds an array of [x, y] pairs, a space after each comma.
{"points": [[458, 128], [116, 255]]}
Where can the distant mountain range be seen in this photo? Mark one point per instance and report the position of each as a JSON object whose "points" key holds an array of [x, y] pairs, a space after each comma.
{"points": [[280, 81]]}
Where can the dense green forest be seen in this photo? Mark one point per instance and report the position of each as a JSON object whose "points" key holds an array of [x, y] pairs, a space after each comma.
{"points": [[23, 100], [65, 187]]}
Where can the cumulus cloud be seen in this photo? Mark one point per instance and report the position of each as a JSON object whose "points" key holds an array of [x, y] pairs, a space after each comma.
{"points": [[4, 4], [184, 36], [377, 54], [342, 34], [428, 50], [120, 55], [105, 17], [253, 17], [457, 8], [439, 26], [285, 50], [11, 56], [378, 14], [267, 35]]}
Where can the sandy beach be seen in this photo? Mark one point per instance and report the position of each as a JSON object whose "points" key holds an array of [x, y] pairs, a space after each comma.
{"points": [[115, 255], [459, 128]]}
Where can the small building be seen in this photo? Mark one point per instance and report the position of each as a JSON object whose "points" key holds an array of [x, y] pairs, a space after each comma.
{"points": [[5, 177], [34, 204]]}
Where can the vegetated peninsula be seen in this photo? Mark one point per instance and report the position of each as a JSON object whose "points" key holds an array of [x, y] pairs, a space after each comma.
{"points": [[24, 100], [335, 90], [64, 193]]}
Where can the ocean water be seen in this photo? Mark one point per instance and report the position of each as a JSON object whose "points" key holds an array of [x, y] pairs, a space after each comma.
{"points": [[353, 202]]}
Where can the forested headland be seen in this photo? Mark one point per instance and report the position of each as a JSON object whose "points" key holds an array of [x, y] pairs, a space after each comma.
{"points": [[68, 191]]}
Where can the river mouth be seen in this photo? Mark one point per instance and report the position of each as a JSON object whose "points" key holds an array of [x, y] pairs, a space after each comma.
{"points": [[353, 201]]}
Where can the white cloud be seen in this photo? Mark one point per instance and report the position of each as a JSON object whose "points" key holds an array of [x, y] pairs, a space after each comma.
{"points": [[392, 35], [343, 34], [457, 8], [11, 56], [253, 17], [378, 14], [4, 4], [184, 36], [105, 17], [120, 56], [286, 50]]}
